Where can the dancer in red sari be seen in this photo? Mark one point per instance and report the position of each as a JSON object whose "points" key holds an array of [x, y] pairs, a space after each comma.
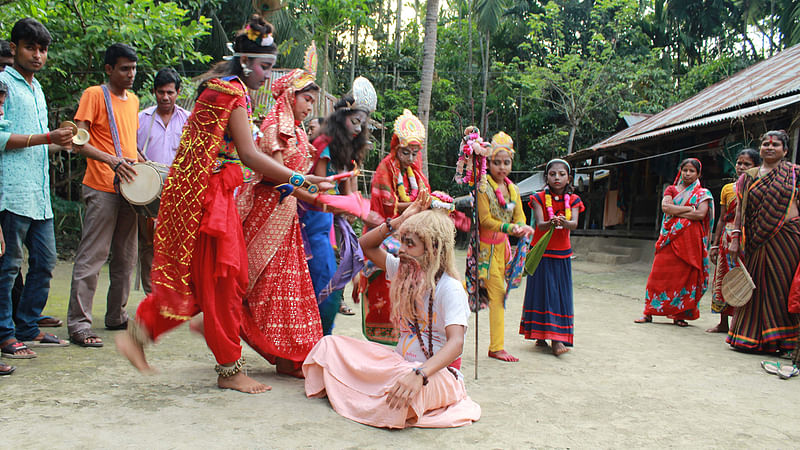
{"points": [[724, 261], [397, 181], [200, 263], [679, 277], [281, 319]]}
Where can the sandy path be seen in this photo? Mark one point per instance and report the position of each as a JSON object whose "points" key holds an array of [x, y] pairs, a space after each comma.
{"points": [[623, 385]]}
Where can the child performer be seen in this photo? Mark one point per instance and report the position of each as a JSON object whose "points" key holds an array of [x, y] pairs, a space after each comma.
{"points": [[418, 383], [747, 158], [498, 218], [547, 312]]}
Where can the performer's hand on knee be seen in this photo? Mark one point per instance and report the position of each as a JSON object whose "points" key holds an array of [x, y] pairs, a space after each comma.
{"points": [[406, 388]]}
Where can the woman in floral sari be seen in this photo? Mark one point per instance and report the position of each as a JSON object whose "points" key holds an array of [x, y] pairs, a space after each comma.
{"points": [[768, 233], [280, 320], [679, 277]]}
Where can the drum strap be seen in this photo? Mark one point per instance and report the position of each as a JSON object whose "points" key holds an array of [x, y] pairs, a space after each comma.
{"points": [[112, 124]]}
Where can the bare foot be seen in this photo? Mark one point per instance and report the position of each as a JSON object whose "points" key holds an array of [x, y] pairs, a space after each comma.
{"points": [[196, 325], [541, 343], [287, 367], [131, 349], [242, 383], [503, 355], [644, 319], [559, 348], [718, 328]]}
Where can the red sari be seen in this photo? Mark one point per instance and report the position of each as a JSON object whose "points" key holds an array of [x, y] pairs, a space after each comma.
{"points": [[679, 277], [199, 263], [281, 318]]}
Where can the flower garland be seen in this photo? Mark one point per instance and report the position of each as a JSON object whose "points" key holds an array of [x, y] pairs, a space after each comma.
{"points": [[401, 188], [500, 199], [472, 146], [548, 202]]}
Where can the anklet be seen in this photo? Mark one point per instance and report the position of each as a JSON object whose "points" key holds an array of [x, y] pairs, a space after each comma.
{"points": [[227, 372]]}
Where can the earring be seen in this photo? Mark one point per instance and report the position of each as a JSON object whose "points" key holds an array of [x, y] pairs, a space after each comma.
{"points": [[246, 70]]}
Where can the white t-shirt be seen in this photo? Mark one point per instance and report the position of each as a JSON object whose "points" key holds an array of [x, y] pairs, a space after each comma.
{"points": [[450, 307]]}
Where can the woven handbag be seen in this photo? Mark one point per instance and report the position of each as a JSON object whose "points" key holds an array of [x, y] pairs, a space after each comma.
{"points": [[737, 286]]}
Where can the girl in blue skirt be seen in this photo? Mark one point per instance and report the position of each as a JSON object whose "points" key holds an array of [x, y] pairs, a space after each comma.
{"points": [[547, 312]]}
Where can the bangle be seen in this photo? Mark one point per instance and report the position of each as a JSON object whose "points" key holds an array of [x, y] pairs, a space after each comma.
{"points": [[297, 179], [504, 227], [389, 225], [48, 138], [419, 372], [28, 143], [732, 232], [713, 247]]}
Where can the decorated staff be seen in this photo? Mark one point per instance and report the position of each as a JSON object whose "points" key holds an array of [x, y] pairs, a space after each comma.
{"points": [[471, 167]]}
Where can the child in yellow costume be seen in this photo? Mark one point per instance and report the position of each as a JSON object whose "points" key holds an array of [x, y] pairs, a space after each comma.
{"points": [[500, 214]]}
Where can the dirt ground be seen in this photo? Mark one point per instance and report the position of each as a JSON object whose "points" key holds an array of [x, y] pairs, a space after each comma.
{"points": [[622, 385]]}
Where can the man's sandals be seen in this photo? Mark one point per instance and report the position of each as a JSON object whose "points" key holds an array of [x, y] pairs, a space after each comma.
{"points": [[10, 351], [81, 337], [5, 369], [47, 340]]}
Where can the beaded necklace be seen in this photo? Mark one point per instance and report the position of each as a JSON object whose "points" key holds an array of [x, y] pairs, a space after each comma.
{"points": [[500, 199], [428, 352], [401, 188], [548, 202]]}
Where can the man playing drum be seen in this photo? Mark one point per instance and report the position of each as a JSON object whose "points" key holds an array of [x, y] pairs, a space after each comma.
{"points": [[160, 129], [109, 223]]}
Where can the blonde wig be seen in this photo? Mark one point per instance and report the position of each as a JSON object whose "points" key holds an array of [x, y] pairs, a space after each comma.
{"points": [[414, 282]]}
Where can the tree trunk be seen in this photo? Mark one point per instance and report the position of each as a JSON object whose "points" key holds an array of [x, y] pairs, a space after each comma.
{"points": [[397, 28], [354, 53], [324, 81], [484, 119], [571, 141], [428, 67]]}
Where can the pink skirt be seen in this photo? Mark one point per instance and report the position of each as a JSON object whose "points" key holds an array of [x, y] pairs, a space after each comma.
{"points": [[356, 376]]}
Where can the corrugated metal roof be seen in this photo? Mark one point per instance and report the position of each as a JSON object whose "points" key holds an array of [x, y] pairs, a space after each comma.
{"points": [[768, 79]]}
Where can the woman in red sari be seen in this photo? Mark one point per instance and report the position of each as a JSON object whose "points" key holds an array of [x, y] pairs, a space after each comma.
{"points": [[281, 319], [679, 277]]}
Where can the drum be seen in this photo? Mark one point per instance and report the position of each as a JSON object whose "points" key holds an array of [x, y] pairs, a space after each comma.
{"points": [[144, 192]]}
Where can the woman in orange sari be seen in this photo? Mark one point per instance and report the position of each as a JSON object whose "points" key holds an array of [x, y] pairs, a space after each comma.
{"points": [[724, 261], [679, 277]]}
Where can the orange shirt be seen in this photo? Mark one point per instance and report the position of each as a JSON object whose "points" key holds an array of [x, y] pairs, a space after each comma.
{"points": [[92, 109]]}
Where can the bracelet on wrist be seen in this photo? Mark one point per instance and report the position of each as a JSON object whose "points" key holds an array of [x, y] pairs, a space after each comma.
{"points": [[389, 226], [419, 372], [297, 179], [49, 141], [28, 143]]}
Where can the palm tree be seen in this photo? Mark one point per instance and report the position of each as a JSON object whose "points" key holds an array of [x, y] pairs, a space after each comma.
{"points": [[428, 66]]}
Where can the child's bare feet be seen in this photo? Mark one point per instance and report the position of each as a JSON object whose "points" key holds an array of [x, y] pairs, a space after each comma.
{"points": [[242, 383], [129, 348], [503, 355], [559, 348]]}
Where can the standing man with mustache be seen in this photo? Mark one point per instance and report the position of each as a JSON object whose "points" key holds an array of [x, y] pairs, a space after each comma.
{"points": [[109, 113], [160, 129]]}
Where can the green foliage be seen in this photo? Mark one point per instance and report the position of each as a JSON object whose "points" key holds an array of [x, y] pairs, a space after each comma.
{"points": [[162, 33]]}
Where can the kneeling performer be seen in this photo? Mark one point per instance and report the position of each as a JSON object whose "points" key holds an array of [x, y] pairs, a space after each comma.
{"points": [[419, 383]]}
